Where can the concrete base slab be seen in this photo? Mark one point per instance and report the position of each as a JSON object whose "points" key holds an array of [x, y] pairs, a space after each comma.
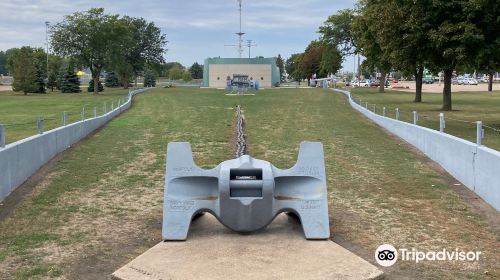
{"points": [[278, 252]]}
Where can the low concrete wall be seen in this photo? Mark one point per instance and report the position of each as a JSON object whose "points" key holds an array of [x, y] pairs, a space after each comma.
{"points": [[19, 160], [477, 167]]}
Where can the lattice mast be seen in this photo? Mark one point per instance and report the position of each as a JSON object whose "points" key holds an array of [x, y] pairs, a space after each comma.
{"points": [[240, 34]]}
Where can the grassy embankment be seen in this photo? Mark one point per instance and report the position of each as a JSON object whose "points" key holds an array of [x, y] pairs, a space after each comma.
{"points": [[101, 205], [468, 107], [20, 112]]}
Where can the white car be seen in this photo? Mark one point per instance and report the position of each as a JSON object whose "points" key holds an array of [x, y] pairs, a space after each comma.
{"points": [[470, 81], [365, 83]]}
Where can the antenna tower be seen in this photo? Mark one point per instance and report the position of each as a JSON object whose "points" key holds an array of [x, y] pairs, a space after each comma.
{"points": [[240, 34]]}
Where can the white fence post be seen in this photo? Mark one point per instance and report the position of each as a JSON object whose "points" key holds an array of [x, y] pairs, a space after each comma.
{"points": [[2, 136], [397, 113], [415, 117], [64, 118], [104, 108], [441, 122], [374, 109], [39, 124], [95, 112], [82, 113], [479, 132], [383, 111]]}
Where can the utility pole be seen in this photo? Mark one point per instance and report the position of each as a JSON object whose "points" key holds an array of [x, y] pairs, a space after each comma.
{"points": [[47, 23], [249, 45]]}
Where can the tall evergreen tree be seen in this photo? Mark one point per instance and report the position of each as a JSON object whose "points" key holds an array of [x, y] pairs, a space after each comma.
{"points": [[69, 82], [149, 78], [39, 80], [111, 80], [196, 71], [281, 66], [27, 74]]}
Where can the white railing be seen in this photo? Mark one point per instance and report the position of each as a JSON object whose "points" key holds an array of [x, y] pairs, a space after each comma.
{"points": [[474, 165], [21, 159]]}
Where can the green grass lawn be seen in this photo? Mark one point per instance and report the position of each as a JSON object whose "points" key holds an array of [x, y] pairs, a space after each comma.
{"points": [[20, 112], [468, 107], [101, 205]]}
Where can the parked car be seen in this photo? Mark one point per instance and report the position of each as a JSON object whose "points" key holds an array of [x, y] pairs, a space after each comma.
{"points": [[470, 81], [375, 83], [454, 81], [365, 83], [428, 80], [347, 83]]}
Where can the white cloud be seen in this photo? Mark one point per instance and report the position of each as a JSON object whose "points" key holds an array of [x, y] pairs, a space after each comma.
{"points": [[195, 29]]}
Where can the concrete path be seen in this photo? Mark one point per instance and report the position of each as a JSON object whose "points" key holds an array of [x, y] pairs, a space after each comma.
{"points": [[278, 252]]}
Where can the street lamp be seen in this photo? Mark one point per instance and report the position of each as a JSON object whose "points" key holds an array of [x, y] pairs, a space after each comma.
{"points": [[47, 23]]}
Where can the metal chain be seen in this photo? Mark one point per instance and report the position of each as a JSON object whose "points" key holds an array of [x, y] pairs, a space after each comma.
{"points": [[241, 145], [492, 128]]}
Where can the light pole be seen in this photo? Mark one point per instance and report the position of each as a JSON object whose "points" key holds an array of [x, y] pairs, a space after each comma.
{"points": [[47, 23]]}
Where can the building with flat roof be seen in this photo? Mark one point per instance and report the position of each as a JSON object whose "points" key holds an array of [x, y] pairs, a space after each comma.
{"points": [[264, 70]]}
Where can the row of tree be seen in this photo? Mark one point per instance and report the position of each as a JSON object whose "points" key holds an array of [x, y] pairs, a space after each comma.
{"points": [[31, 74], [98, 41], [123, 46], [410, 36], [175, 71], [320, 57]]}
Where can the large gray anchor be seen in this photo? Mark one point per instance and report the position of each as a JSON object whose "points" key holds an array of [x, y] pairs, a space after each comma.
{"points": [[245, 194]]}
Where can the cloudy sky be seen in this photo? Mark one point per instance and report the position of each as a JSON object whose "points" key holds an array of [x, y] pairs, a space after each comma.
{"points": [[195, 29]]}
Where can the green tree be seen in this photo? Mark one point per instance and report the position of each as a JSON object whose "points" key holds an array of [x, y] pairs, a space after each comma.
{"points": [[3, 63], [69, 82], [39, 79], [145, 45], [368, 42], [403, 30], [331, 60], [196, 71], [149, 78], [281, 66], [293, 67], [92, 37], [453, 37], [175, 73], [338, 31], [26, 70], [92, 86], [485, 16], [186, 76], [111, 80], [55, 64], [311, 60]]}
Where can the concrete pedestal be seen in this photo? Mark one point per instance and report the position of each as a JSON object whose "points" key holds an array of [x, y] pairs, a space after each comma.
{"points": [[278, 252]]}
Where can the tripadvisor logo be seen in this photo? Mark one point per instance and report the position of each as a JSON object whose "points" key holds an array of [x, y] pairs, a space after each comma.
{"points": [[387, 255]]}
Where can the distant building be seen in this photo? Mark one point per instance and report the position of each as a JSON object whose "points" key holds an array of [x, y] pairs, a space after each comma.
{"points": [[216, 70]]}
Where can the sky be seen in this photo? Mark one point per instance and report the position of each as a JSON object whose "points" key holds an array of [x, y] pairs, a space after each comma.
{"points": [[195, 29]]}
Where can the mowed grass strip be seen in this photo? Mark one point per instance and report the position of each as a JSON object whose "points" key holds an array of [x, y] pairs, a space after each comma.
{"points": [[102, 204], [20, 112], [468, 107]]}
